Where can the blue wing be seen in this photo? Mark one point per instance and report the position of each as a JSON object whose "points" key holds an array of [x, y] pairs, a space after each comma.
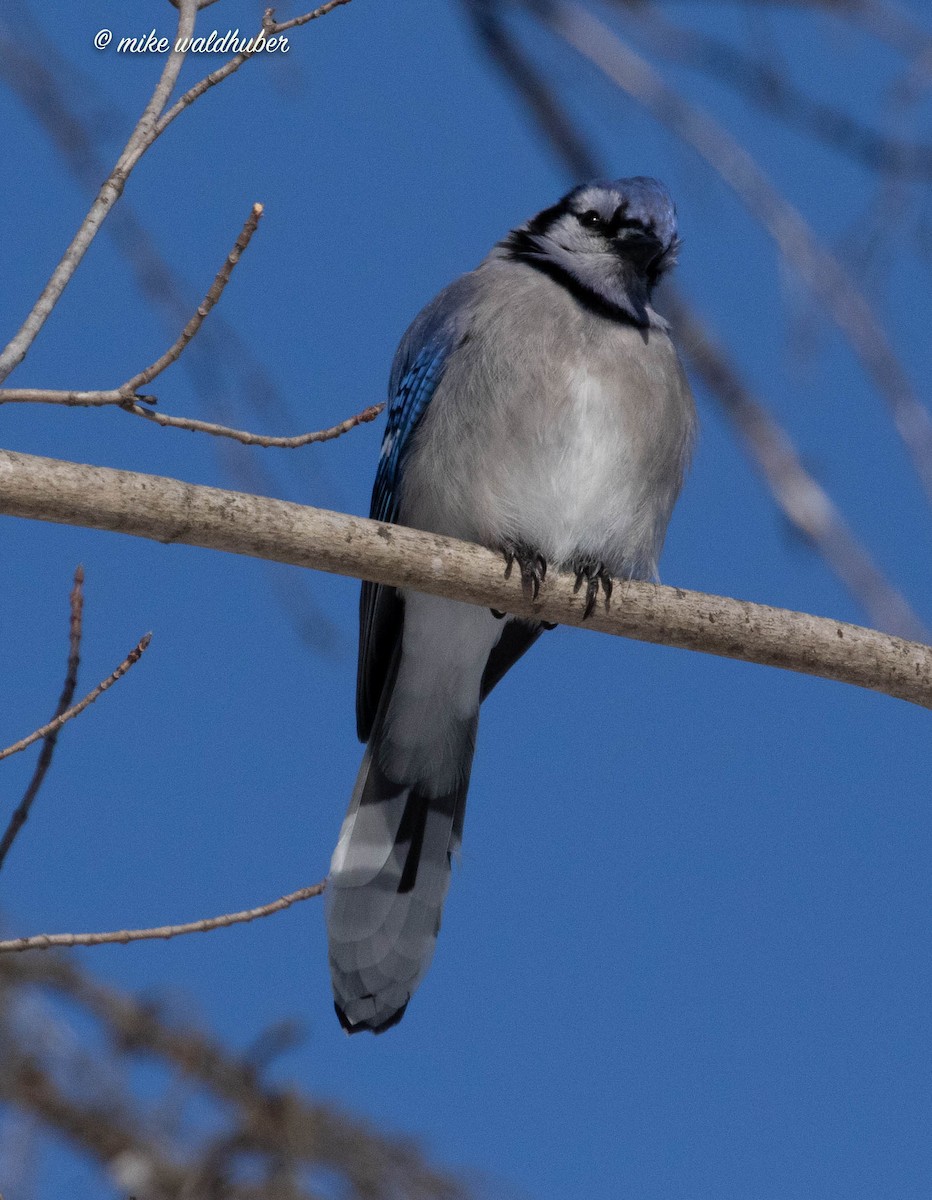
{"points": [[406, 409], [380, 608]]}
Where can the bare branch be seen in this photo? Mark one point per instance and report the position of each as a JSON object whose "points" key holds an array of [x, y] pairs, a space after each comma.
{"points": [[21, 815], [46, 941], [54, 726], [141, 138], [816, 266], [223, 368], [126, 392], [168, 510]]}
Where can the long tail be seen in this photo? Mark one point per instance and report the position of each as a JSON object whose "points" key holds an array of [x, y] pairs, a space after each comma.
{"points": [[388, 881]]}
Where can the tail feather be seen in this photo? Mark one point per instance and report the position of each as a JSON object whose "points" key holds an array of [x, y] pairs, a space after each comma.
{"points": [[391, 868], [389, 879]]}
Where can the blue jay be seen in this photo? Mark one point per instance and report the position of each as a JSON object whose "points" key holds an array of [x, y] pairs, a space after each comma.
{"points": [[537, 407]]}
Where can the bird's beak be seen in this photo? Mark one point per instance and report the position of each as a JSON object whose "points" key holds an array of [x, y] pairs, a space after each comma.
{"points": [[640, 247]]}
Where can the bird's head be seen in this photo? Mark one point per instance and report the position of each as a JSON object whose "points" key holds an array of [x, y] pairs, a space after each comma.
{"points": [[610, 241]]}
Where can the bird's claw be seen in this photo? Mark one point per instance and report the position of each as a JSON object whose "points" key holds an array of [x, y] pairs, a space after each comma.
{"points": [[533, 567], [593, 573]]}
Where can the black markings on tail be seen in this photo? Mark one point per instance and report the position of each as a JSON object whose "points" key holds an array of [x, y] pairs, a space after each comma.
{"points": [[413, 824]]}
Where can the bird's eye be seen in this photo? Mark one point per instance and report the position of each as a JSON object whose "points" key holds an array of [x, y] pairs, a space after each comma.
{"points": [[591, 219]]}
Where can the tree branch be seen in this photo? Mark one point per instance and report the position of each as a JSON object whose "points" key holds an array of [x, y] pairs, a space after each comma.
{"points": [[115, 399], [127, 392], [46, 941], [168, 510], [800, 497], [271, 26]]}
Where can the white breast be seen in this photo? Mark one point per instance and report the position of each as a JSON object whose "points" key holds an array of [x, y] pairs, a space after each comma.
{"points": [[574, 492]]}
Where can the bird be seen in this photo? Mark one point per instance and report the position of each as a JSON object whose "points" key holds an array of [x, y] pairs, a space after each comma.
{"points": [[538, 407]]}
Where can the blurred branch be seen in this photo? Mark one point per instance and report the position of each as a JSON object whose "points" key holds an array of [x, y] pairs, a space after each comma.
{"points": [[168, 510], [21, 815], [772, 92], [111, 1135], [278, 1123], [891, 22], [801, 499], [816, 266], [561, 131], [55, 725], [47, 941]]}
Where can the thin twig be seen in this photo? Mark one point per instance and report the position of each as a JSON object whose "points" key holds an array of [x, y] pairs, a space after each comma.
{"points": [[53, 726], [46, 941], [115, 399], [21, 815], [168, 510], [127, 392], [821, 271], [273, 27], [174, 352], [256, 439], [233, 64]]}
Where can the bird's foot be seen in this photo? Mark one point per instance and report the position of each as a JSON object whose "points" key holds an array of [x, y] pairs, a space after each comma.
{"points": [[532, 564], [592, 573]]}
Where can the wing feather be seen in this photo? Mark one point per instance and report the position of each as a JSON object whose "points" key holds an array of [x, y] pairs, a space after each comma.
{"points": [[381, 608]]}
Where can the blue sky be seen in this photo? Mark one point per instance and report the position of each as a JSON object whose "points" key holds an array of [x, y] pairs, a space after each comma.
{"points": [[686, 953]]}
